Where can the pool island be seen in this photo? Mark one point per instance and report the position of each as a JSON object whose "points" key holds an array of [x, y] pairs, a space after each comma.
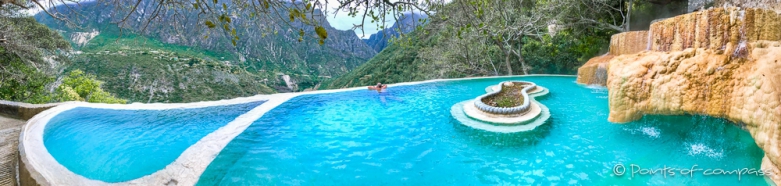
{"points": [[507, 107]]}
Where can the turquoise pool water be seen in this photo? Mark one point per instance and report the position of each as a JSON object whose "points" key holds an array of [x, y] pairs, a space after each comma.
{"points": [[121, 145], [407, 136]]}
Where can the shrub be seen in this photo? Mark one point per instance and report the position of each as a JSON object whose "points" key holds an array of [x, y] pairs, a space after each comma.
{"points": [[78, 86], [505, 101]]}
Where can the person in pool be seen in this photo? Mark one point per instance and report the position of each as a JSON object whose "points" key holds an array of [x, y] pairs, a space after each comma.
{"points": [[378, 87], [384, 94]]}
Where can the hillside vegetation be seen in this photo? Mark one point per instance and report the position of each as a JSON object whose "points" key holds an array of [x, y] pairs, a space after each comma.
{"points": [[457, 44], [32, 59], [269, 57], [146, 70]]}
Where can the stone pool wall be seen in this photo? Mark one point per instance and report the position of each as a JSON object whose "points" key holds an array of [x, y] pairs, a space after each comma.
{"points": [[23, 111], [12, 118]]}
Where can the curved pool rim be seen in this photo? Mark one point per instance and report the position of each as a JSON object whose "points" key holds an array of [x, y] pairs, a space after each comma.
{"points": [[459, 112], [38, 165]]}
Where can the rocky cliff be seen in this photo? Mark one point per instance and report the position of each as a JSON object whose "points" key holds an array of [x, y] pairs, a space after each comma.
{"points": [[406, 24], [265, 46], [721, 62]]}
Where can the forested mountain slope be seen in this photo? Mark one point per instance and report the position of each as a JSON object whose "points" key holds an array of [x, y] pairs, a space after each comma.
{"points": [[457, 44], [180, 60], [405, 24]]}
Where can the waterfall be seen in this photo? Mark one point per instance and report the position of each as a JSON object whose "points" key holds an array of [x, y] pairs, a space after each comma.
{"points": [[741, 50], [650, 34], [600, 75]]}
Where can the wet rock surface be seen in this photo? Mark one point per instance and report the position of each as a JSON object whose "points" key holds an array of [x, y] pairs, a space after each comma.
{"points": [[721, 62]]}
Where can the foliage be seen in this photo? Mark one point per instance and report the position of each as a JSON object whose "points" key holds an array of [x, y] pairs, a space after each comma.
{"points": [[141, 69], [445, 48], [399, 62], [505, 101], [78, 86], [20, 82], [26, 76], [30, 41], [564, 52]]}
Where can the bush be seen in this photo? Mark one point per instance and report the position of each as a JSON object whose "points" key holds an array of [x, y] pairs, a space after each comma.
{"points": [[564, 52], [78, 86], [505, 101], [20, 82]]}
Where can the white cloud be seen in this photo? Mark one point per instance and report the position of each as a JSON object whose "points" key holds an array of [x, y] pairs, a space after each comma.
{"points": [[342, 21], [48, 5]]}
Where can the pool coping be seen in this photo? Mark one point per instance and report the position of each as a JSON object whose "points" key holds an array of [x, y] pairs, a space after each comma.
{"points": [[39, 166]]}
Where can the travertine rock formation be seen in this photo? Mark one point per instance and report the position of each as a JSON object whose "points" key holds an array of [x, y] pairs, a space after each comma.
{"points": [[723, 62], [629, 42], [702, 81], [594, 72], [716, 29]]}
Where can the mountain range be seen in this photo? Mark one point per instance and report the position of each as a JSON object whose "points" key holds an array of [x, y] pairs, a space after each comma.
{"points": [[405, 24], [183, 61]]}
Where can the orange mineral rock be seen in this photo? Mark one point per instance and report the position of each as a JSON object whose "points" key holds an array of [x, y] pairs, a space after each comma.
{"points": [[723, 62]]}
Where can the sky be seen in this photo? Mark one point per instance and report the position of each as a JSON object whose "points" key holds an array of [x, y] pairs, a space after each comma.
{"points": [[341, 21], [344, 22]]}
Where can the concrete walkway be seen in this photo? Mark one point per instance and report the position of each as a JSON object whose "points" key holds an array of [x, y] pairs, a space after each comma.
{"points": [[9, 140]]}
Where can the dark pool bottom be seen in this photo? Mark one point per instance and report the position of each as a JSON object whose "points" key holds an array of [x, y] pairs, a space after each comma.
{"points": [[121, 145], [407, 136]]}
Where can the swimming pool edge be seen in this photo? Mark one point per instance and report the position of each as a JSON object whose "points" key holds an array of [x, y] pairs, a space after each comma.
{"points": [[40, 167]]}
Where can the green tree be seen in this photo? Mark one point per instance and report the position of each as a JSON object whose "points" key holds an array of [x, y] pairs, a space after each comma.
{"points": [[78, 86], [20, 82]]}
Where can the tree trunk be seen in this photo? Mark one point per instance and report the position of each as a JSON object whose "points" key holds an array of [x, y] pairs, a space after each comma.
{"points": [[496, 73], [506, 56], [507, 62], [523, 64], [520, 59], [628, 16]]}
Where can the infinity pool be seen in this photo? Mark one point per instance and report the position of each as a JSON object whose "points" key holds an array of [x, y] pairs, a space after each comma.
{"points": [[120, 145], [408, 136]]}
